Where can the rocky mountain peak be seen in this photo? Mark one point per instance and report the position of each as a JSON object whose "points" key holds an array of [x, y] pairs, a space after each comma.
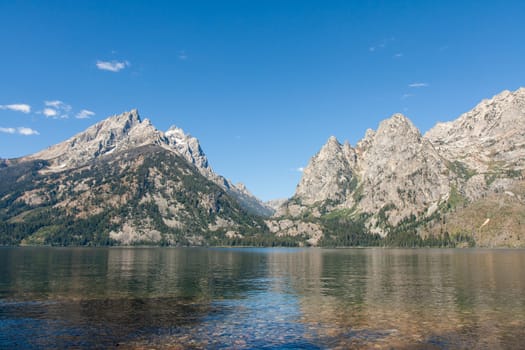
{"points": [[189, 147], [331, 146], [392, 136], [393, 167], [242, 187], [118, 124], [127, 131], [332, 140], [488, 133], [176, 134], [328, 173], [397, 125], [121, 131], [396, 130]]}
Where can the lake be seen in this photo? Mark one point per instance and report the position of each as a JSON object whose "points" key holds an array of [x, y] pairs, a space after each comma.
{"points": [[198, 298]]}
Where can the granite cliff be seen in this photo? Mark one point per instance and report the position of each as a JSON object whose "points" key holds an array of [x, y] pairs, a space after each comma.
{"points": [[396, 179]]}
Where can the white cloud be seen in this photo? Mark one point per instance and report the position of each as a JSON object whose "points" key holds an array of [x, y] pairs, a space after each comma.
{"points": [[57, 104], [54, 104], [84, 114], [56, 109], [17, 107], [417, 85], [8, 130], [112, 66], [300, 169], [183, 56], [49, 112], [381, 45], [398, 55], [20, 130], [27, 131], [405, 96]]}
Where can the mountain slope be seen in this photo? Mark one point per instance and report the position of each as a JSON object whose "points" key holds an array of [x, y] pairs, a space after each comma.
{"points": [[392, 173], [189, 147], [491, 133], [120, 182], [396, 180], [127, 131]]}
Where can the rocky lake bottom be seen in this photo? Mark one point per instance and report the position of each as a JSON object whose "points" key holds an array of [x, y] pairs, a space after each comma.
{"points": [[213, 298]]}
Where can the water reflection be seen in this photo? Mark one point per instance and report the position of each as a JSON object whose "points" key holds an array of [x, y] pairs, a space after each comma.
{"points": [[442, 298], [261, 298]]}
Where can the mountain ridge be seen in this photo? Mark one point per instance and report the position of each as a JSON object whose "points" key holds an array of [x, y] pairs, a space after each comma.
{"points": [[395, 175], [127, 130], [133, 183]]}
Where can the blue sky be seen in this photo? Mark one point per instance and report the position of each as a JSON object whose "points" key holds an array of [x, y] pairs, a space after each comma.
{"points": [[262, 84]]}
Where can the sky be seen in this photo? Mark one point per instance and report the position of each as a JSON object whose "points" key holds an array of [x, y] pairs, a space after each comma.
{"points": [[261, 84]]}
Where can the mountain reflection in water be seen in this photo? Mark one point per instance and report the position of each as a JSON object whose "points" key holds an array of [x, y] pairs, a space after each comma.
{"points": [[261, 298]]}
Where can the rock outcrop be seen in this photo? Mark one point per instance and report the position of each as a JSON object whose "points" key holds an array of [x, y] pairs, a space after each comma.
{"points": [[490, 135], [396, 177], [122, 181], [128, 131]]}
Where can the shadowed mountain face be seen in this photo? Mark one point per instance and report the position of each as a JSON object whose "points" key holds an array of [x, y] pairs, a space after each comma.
{"points": [[396, 179], [123, 181]]}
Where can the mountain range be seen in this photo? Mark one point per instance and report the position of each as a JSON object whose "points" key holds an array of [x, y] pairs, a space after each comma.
{"points": [[462, 178], [122, 181]]}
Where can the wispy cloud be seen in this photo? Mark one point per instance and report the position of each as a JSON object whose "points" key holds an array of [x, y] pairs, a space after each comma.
{"points": [[418, 85], [182, 55], [377, 47], [112, 66], [49, 112], [300, 169], [58, 105], [27, 131], [398, 55], [405, 96], [84, 114], [8, 130], [383, 44], [17, 107], [56, 109], [20, 130]]}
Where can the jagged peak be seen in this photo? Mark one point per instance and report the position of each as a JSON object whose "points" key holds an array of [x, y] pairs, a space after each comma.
{"points": [[396, 124], [487, 112], [331, 143], [178, 135], [507, 93], [123, 121], [369, 134], [174, 129], [99, 139], [396, 119], [332, 139], [241, 186], [330, 148], [132, 115], [189, 147], [504, 97], [365, 141]]}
